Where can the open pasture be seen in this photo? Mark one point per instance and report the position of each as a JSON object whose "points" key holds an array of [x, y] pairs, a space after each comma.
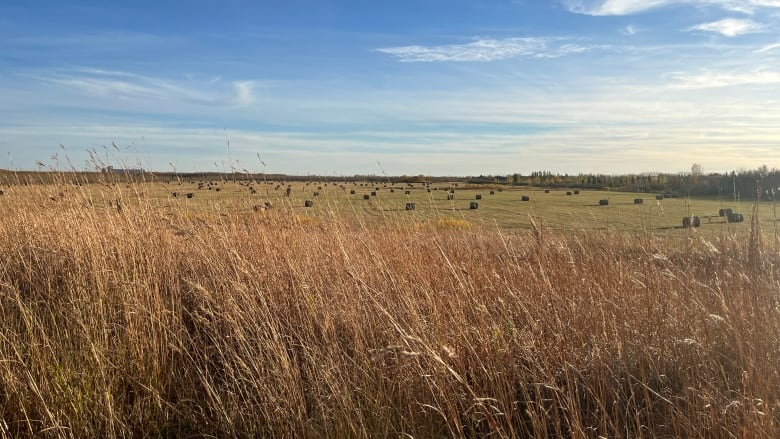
{"points": [[505, 207]]}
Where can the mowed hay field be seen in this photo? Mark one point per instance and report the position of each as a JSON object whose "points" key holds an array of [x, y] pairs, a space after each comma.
{"points": [[499, 206], [130, 312]]}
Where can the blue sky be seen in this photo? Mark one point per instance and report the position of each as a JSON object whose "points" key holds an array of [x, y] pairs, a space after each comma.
{"points": [[435, 87]]}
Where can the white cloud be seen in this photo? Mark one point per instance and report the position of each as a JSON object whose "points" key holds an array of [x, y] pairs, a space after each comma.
{"points": [[730, 27], [630, 30], [487, 50], [768, 48], [244, 92], [614, 7], [629, 7], [710, 79], [125, 85]]}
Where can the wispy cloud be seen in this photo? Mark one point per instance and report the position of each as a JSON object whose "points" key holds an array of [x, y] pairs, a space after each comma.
{"points": [[629, 7], [711, 79], [768, 48], [126, 85], [614, 7], [487, 50], [630, 30], [730, 27]]}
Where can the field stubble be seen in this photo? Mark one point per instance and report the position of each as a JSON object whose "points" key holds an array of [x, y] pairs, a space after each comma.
{"points": [[137, 320]]}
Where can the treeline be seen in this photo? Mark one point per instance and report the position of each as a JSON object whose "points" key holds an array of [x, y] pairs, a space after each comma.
{"points": [[743, 184]]}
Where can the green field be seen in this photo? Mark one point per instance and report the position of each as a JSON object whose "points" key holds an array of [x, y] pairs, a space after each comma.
{"points": [[499, 206]]}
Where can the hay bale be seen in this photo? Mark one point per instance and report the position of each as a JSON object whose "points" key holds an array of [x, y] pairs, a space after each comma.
{"points": [[407, 192], [217, 189], [366, 197], [308, 203], [474, 205], [373, 193], [568, 193], [732, 217], [696, 221], [190, 195], [352, 192], [492, 192], [546, 191], [638, 201], [659, 197], [410, 206], [576, 192], [478, 197], [725, 212], [686, 222], [603, 202], [526, 198]]}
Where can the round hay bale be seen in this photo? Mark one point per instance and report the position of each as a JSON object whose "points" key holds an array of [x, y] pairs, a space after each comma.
{"points": [[492, 192], [568, 193], [308, 203], [366, 197], [659, 197], [687, 222], [410, 206], [478, 197], [603, 202], [352, 192], [526, 198], [725, 212], [190, 195], [696, 221], [392, 191], [576, 192], [638, 201], [373, 193], [732, 217], [546, 191], [474, 205]]}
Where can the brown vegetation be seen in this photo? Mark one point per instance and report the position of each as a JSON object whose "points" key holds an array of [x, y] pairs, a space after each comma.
{"points": [[152, 323]]}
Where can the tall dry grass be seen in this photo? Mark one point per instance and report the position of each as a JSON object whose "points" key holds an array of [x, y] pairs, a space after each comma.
{"points": [[144, 321]]}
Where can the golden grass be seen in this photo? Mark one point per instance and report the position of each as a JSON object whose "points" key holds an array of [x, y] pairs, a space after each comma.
{"points": [[147, 322]]}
